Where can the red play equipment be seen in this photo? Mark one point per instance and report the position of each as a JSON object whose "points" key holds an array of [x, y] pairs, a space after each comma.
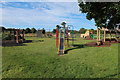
{"points": [[62, 34], [67, 38], [57, 36]]}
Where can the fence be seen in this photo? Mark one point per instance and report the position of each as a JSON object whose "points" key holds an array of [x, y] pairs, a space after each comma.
{"points": [[31, 35]]}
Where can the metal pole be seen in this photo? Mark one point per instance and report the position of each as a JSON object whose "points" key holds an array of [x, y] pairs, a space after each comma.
{"points": [[56, 37], [64, 40], [59, 40], [72, 37], [67, 37], [17, 37]]}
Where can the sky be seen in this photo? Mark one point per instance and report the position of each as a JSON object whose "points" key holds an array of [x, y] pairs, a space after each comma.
{"points": [[43, 15]]}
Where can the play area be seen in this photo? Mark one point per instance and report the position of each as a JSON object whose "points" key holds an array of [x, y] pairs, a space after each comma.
{"points": [[63, 56], [62, 34], [106, 42], [43, 62], [45, 40]]}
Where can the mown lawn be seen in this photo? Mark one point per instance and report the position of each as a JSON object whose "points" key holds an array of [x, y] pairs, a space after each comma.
{"points": [[39, 59]]}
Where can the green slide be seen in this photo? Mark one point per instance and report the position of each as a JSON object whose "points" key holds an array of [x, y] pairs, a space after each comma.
{"points": [[92, 36]]}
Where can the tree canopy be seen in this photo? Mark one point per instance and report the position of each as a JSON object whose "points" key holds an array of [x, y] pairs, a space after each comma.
{"points": [[63, 23], [57, 26], [2, 29], [54, 31], [82, 30], [27, 30], [105, 14], [33, 30]]}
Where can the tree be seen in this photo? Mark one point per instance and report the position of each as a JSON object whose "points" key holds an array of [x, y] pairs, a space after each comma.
{"points": [[2, 28], [63, 23], [95, 32], [54, 31], [33, 30], [57, 26], [106, 14], [92, 29], [82, 30], [74, 31], [27, 30], [43, 31]]}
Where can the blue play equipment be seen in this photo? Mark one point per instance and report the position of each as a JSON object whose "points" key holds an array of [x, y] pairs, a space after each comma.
{"points": [[62, 34], [61, 46]]}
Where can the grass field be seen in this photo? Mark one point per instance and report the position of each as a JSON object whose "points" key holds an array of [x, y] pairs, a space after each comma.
{"points": [[39, 59]]}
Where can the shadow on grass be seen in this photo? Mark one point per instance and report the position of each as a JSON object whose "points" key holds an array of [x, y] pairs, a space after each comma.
{"points": [[13, 43], [110, 76], [31, 41], [28, 41], [77, 46], [39, 41]]}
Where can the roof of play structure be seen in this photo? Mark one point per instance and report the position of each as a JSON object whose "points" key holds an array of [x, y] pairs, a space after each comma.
{"points": [[13, 30], [105, 29]]}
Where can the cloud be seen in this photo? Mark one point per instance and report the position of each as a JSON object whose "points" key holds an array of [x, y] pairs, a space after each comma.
{"points": [[0, 16], [39, 1], [47, 15]]}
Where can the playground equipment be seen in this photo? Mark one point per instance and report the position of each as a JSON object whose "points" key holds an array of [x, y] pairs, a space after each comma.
{"points": [[107, 31], [39, 33], [43, 33], [88, 35], [62, 34], [18, 33]]}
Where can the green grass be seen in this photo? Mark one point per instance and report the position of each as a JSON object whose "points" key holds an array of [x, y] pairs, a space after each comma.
{"points": [[40, 60]]}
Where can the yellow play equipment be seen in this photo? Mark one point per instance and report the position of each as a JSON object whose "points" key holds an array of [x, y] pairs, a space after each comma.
{"points": [[106, 31]]}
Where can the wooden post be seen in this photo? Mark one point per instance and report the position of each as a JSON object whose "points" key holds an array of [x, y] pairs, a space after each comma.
{"points": [[110, 36], [116, 37], [13, 36], [17, 37], [22, 36], [57, 37], [104, 35], [97, 34]]}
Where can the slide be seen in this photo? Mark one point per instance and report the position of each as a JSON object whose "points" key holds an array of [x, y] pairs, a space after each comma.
{"points": [[92, 36], [61, 46]]}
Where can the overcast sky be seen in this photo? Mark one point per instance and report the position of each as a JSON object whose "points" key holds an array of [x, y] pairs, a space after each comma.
{"points": [[43, 15]]}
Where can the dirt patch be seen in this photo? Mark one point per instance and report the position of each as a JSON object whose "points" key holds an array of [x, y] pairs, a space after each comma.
{"points": [[105, 44]]}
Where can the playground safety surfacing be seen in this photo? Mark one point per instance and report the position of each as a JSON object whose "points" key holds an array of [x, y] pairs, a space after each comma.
{"points": [[105, 44]]}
